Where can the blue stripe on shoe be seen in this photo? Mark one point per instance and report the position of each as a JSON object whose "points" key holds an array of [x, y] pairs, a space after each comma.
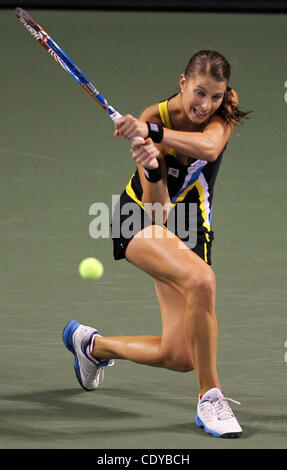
{"points": [[67, 336], [200, 424], [228, 435], [68, 332]]}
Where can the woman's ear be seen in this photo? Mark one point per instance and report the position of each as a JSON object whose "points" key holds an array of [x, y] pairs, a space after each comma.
{"points": [[182, 81]]}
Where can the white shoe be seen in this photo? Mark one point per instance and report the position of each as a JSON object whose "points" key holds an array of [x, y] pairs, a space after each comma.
{"points": [[215, 415], [76, 338]]}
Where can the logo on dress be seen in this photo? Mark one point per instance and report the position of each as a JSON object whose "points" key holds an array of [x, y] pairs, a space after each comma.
{"points": [[173, 172]]}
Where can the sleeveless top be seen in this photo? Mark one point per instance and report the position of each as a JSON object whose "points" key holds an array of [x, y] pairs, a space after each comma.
{"points": [[193, 183]]}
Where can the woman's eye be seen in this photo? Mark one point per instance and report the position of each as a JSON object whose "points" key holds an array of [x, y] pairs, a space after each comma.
{"points": [[199, 93]]}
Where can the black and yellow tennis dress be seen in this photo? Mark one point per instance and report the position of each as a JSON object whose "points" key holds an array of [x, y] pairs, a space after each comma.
{"points": [[190, 190]]}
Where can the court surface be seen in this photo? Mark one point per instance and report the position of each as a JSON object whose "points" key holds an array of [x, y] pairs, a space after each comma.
{"points": [[59, 156]]}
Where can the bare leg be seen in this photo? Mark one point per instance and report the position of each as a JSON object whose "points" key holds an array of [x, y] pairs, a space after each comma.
{"points": [[141, 349], [182, 273], [170, 350]]}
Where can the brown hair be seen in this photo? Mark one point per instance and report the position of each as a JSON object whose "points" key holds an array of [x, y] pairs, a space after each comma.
{"points": [[212, 63]]}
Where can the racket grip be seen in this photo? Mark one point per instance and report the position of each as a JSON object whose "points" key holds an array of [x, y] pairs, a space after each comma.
{"points": [[114, 116]]}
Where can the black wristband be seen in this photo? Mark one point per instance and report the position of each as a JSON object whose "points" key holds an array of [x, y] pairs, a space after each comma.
{"points": [[154, 175], [155, 132]]}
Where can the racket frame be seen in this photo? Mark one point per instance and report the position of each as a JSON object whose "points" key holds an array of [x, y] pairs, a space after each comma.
{"points": [[63, 59]]}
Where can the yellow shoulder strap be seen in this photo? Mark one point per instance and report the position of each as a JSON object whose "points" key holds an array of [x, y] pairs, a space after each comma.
{"points": [[163, 111], [164, 115]]}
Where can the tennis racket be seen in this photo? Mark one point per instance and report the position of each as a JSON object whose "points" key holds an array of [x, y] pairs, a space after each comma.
{"points": [[61, 57]]}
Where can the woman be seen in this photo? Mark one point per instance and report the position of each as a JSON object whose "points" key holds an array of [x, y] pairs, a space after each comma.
{"points": [[178, 145]]}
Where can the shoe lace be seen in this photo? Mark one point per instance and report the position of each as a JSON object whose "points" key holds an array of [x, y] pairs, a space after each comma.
{"points": [[100, 373], [222, 408]]}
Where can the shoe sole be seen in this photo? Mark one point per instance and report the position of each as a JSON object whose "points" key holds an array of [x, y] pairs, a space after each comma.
{"points": [[227, 435], [67, 336]]}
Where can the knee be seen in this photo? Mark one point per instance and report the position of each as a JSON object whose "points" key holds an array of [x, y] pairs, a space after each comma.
{"points": [[201, 284], [185, 365], [182, 364], [176, 362]]}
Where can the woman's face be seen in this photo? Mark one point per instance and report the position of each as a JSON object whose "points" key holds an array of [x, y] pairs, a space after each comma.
{"points": [[201, 96]]}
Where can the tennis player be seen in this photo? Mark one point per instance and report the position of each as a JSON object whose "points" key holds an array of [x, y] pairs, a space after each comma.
{"points": [[185, 138]]}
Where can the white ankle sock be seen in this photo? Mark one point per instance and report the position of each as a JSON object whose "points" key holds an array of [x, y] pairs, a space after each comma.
{"points": [[90, 349]]}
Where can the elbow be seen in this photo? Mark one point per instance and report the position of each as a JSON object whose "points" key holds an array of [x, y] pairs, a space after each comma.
{"points": [[211, 152], [212, 156], [207, 150]]}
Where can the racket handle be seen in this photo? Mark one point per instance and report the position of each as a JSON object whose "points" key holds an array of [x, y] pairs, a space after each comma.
{"points": [[114, 116]]}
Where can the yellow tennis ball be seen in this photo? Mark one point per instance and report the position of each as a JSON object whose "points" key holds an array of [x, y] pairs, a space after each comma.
{"points": [[91, 269]]}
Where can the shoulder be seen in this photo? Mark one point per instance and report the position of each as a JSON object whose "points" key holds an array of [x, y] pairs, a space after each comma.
{"points": [[151, 113]]}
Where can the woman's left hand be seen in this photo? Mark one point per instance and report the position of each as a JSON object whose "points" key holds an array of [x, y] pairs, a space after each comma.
{"points": [[129, 127], [145, 153]]}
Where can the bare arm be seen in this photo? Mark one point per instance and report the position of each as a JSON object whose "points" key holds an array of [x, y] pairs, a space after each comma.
{"points": [[145, 154], [206, 145]]}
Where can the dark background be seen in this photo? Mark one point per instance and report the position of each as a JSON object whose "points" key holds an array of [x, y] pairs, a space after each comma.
{"points": [[177, 5]]}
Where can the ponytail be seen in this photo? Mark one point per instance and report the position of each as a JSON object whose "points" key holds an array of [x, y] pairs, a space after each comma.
{"points": [[229, 110]]}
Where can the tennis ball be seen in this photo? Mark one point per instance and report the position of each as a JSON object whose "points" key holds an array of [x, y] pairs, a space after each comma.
{"points": [[91, 269]]}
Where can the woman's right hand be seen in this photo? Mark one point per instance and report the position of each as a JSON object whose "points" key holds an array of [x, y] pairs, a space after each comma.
{"points": [[145, 153]]}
